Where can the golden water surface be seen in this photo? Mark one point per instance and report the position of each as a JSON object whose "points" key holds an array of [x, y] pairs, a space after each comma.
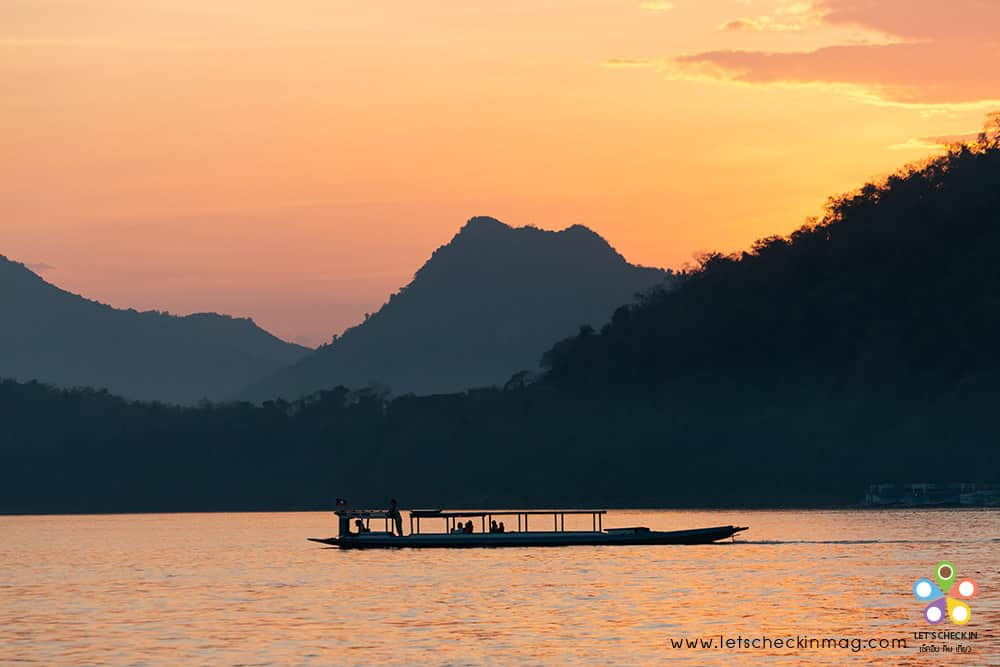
{"points": [[248, 589]]}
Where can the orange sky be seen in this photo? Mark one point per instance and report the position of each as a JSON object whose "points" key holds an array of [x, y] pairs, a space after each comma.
{"points": [[296, 161]]}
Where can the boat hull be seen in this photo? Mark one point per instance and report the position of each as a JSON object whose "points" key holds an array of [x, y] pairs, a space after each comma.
{"points": [[617, 537]]}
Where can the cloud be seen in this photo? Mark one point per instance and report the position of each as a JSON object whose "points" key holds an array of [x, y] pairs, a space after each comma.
{"points": [[40, 267], [935, 143], [926, 20], [787, 17], [635, 63], [760, 24], [738, 25], [905, 73], [939, 53], [656, 6]]}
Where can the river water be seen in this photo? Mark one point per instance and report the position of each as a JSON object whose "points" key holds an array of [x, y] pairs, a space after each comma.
{"points": [[248, 589]]}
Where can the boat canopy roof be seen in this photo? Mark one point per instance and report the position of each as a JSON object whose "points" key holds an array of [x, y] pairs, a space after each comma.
{"points": [[363, 514], [441, 514]]}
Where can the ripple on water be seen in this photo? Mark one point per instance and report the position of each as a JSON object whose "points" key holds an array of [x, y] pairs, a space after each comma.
{"points": [[247, 589]]}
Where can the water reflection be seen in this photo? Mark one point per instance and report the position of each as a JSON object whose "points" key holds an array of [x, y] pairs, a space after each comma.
{"points": [[248, 589]]}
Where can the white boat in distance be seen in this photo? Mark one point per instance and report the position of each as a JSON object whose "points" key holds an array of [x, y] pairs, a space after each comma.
{"points": [[453, 537]]}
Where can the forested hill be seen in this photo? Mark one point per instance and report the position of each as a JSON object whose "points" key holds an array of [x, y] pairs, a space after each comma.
{"points": [[899, 281], [484, 306], [861, 349], [51, 335]]}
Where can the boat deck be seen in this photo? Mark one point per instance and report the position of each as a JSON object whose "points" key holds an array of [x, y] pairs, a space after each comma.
{"points": [[612, 537]]}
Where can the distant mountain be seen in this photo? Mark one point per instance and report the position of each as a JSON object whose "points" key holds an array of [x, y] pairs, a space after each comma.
{"points": [[859, 349], [483, 307], [57, 337]]}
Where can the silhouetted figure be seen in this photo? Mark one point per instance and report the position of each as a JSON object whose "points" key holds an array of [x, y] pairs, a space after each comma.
{"points": [[494, 528], [396, 517], [500, 528], [468, 527], [362, 529]]}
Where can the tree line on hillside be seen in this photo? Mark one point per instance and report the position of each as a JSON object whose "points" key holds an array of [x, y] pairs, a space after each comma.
{"points": [[860, 349], [898, 278], [753, 441]]}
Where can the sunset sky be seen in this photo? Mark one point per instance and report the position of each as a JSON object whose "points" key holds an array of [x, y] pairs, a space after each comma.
{"points": [[297, 161]]}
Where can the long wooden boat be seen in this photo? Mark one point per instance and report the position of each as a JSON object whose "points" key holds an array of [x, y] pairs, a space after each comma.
{"points": [[453, 536]]}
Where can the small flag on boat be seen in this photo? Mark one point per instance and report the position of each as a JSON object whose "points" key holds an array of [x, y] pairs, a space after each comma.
{"points": [[341, 502]]}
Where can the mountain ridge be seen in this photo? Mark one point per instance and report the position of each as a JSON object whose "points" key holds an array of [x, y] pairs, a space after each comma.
{"points": [[56, 336], [860, 349], [483, 306]]}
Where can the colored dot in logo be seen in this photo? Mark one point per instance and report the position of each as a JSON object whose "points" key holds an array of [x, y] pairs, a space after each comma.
{"points": [[944, 572], [934, 613], [966, 588], [925, 589], [958, 612]]}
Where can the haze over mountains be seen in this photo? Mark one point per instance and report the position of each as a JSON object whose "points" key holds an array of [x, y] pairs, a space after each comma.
{"points": [[57, 337], [483, 307], [857, 350]]}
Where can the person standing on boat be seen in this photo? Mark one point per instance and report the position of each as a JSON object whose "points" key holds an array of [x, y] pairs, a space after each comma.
{"points": [[396, 517]]}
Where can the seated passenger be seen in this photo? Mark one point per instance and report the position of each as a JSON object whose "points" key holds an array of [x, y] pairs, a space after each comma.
{"points": [[468, 527], [493, 526], [500, 528]]}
